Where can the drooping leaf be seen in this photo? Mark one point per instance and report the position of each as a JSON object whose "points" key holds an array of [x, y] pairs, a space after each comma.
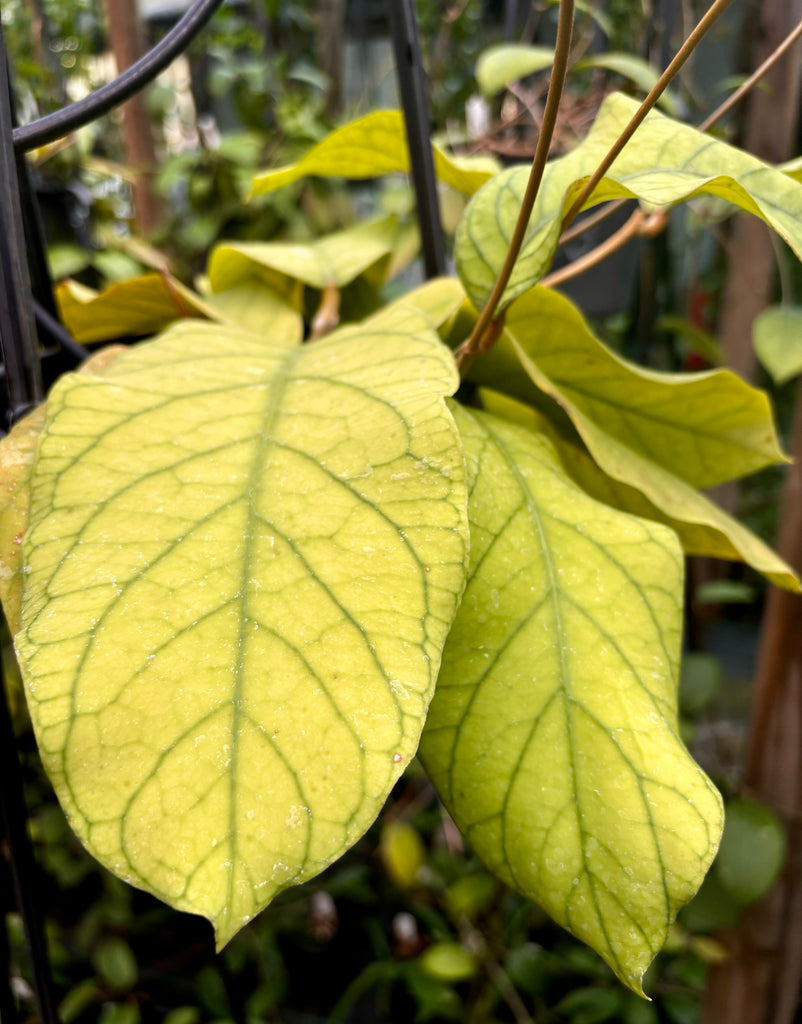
{"points": [[501, 65], [371, 146], [777, 337], [252, 304], [619, 477], [137, 307], [665, 163], [17, 452], [704, 427], [336, 259], [552, 738], [243, 562]]}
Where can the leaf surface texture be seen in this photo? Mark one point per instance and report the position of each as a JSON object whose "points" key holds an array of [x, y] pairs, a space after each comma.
{"points": [[242, 562], [552, 737]]}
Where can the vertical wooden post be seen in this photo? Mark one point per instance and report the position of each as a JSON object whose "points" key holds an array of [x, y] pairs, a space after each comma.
{"points": [[760, 983], [127, 45]]}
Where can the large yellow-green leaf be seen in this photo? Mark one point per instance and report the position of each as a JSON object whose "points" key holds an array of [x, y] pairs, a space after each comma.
{"points": [[777, 337], [666, 162], [242, 563], [252, 304], [704, 427], [335, 259], [370, 146], [552, 737], [139, 306], [702, 527]]}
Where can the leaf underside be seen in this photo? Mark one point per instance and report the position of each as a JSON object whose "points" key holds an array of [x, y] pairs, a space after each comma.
{"points": [[241, 565], [552, 737]]}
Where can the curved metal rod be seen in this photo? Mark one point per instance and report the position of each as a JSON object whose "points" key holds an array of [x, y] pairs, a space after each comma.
{"points": [[62, 122]]}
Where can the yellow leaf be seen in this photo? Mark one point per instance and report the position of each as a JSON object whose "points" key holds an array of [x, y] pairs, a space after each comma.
{"points": [[140, 306], [552, 738], [252, 304], [335, 259], [243, 563], [371, 146]]}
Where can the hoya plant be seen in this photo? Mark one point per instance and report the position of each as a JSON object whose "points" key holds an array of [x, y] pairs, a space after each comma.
{"points": [[256, 564]]}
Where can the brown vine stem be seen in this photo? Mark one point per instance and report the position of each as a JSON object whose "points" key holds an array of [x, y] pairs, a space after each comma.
{"points": [[715, 11], [468, 351], [753, 79]]}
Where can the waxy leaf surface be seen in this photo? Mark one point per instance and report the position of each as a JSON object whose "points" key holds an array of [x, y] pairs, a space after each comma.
{"points": [[552, 737], [335, 259], [704, 427], [242, 562], [371, 146], [666, 162], [702, 527], [138, 307]]}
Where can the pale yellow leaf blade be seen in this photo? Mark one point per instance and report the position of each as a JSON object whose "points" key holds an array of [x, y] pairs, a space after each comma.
{"points": [[141, 306], [704, 427], [243, 562], [335, 259], [552, 737], [369, 147]]}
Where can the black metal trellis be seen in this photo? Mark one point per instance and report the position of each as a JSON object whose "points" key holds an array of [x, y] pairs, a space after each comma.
{"points": [[29, 322]]}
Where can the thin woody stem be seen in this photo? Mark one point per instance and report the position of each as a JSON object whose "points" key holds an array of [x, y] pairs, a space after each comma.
{"points": [[687, 48], [467, 351], [753, 79]]}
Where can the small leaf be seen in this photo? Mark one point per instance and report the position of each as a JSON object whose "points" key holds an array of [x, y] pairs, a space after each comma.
{"points": [[403, 853], [254, 305], [666, 162], [552, 738], [448, 961], [752, 850], [777, 337], [335, 259], [139, 306], [500, 66], [116, 964], [371, 146], [243, 563]]}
